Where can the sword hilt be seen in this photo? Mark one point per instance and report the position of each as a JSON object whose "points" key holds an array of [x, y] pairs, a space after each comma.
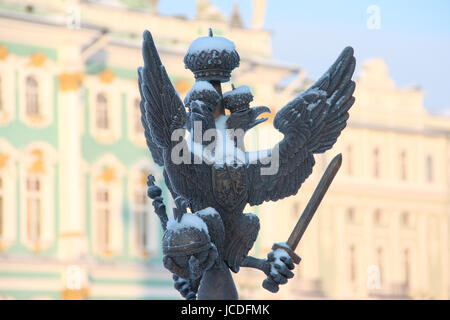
{"points": [[295, 258], [268, 283]]}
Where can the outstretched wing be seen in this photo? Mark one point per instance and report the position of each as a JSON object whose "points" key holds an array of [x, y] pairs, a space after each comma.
{"points": [[162, 112], [311, 123], [161, 106]]}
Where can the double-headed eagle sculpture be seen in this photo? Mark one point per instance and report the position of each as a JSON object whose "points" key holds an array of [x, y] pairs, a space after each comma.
{"points": [[211, 176]]}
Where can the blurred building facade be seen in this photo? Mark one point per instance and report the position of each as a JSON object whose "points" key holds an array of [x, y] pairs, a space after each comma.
{"points": [[74, 218]]}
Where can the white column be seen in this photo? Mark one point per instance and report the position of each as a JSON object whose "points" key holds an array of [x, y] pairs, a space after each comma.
{"points": [[71, 211]]}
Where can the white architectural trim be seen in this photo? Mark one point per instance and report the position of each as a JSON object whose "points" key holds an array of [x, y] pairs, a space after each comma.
{"points": [[134, 118], [43, 75], [8, 190], [137, 183], [114, 109], [107, 173], [7, 90]]}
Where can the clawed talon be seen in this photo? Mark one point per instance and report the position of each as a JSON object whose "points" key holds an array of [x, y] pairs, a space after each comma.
{"points": [[185, 287], [281, 265]]}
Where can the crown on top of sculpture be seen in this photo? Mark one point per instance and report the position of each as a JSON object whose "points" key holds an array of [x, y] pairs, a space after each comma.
{"points": [[212, 58], [237, 99]]}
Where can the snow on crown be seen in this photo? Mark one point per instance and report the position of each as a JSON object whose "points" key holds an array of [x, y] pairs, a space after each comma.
{"points": [[212, 58]]}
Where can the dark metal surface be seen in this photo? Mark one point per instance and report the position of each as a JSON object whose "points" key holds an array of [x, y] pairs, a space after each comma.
{"points": [[305, 218], [314, 202], [310, 123]]}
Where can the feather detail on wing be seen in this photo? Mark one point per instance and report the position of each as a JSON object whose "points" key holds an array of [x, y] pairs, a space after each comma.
{"points": [[163, 110], [241, 234], [311, 123]]}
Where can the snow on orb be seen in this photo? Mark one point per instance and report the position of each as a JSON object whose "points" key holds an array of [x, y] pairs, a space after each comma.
{"points": [[210, 211], [211, 43], [188, 220]]}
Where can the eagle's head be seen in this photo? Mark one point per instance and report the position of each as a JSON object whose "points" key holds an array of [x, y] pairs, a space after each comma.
{"points": [[242, 116], [247, 118], [201, 101]]}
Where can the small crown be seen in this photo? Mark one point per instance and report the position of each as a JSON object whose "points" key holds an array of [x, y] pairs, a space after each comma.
{"points": [[237, 99], [212, 58], [203, 91]]}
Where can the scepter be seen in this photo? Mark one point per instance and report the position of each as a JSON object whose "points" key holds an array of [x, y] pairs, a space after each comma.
{"points": [[154, 192]]}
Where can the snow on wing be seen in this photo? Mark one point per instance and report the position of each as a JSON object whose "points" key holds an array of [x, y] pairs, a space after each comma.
{"points": [[311, 123]]}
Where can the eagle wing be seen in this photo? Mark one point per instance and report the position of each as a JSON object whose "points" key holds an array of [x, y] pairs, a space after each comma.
{"points": [[161, 106], [311, 123], [163, 112]]}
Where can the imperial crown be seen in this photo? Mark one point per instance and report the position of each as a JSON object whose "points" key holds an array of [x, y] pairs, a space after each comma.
{"points": [[212, 58], [237, 99]]}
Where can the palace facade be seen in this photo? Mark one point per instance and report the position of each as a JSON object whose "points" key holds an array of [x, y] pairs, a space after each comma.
{"points": [[75, 221]]}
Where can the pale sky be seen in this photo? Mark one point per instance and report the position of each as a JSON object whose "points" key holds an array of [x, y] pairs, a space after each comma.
{"points": [[413, 38]]}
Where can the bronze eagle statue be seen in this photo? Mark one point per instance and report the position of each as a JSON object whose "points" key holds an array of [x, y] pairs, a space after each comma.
{"points": [[200, 175]]}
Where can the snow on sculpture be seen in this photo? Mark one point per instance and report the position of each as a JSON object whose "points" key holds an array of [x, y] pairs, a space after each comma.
{"points": [[212, 175]]}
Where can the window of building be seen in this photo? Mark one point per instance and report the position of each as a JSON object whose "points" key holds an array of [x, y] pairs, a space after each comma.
{"points": [[296, 209], [103, 219], [403, 165], [138, 128], [34, 208], [380, 262], [378, 217], [407, 267], [353, 264], [406, 219], [351, 216], [349, 157], [102, 114], [2, 218], [429, 168], [142, 219], [32, 106], [376, 163], [1, 96]]}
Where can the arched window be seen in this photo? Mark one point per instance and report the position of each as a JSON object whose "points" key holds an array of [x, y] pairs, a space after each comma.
{"points": [[138, 128], [353, 263], [37, 197], [376, 163], [34, 208], [103, 219], [106, 206], [403, 165], [429, 169], [102, 114], [32, 107]]}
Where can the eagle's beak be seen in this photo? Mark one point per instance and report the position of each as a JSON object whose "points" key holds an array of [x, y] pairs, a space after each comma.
{"points": [[255, 112]]}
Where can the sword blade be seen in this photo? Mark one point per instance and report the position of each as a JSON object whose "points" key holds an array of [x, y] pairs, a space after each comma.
{"points": [[314, 202]]}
